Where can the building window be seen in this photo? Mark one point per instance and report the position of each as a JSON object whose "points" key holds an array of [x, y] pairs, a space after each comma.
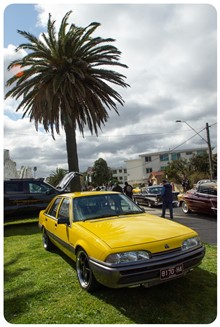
{"points": [[175, 156], [125, 171], [147, 159], [164, 157], [114, 171], [120, 170], [148, 170], [163, 168], [189, 153]]}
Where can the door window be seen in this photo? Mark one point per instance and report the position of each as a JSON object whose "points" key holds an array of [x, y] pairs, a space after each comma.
{"points": [[64, 209], [53, 210], [14, 187], [38, 187]]}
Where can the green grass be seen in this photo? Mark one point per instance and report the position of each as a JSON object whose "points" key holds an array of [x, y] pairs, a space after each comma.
{"points": [[41, 287]]}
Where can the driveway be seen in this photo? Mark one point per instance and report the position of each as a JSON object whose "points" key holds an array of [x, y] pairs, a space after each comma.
{"points": [[205, 225]]}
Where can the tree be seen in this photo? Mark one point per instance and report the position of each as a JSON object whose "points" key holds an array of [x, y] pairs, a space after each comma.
{"points": [[177, 170], [62, 83], [194, 169], [56, 176], [101, 172]]}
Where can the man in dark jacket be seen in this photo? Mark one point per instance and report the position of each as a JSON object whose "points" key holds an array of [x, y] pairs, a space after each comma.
{"points": [[167, 196]]}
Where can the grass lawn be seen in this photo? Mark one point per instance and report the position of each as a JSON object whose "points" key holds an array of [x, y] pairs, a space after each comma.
{"points": [[41, 287]]}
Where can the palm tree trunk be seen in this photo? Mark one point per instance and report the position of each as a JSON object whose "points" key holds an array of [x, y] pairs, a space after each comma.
{"points": [[72, 156]]}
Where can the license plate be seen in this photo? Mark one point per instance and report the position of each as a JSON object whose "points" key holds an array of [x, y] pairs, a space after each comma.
{"points": [[171, 272]]}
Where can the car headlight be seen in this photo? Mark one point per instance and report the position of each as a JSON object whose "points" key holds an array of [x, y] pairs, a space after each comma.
{"points": [[128, 257], [191, 243]]}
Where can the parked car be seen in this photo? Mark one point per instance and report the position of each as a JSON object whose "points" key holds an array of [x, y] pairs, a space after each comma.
{"points": [[116, 243], [29, 196], [151, 196], [136, 190], [202, 198], [100, 188]]}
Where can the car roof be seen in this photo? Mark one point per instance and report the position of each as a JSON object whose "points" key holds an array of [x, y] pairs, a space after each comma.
{"points": [[86, 193], [41, 179]]}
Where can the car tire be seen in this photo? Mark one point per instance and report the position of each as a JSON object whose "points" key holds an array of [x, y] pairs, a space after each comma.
{"points": [[48, 245], [185, 207], [149, 204], [84, 273]]}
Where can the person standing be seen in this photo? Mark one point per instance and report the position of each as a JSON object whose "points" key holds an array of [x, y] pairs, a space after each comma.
{"points": [[167, 197], [128, 190]]}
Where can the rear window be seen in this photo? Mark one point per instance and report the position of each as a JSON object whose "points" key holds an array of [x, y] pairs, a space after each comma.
{"points": [[14, 187]]}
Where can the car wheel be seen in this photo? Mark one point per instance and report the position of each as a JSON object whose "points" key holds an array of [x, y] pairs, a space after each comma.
{"points": [[84, 273], [185, 207], [149, 204], [48, 245]]}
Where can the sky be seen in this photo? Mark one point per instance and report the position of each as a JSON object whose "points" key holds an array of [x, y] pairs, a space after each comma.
{"points": [[171, 54]]}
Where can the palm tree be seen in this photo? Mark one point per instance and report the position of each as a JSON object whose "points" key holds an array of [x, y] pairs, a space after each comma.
{"points": [[56, 176], [63, 82]]}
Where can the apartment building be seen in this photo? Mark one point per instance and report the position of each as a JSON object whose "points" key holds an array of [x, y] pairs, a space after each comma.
{"points": [[120, 173], [139, 170]]}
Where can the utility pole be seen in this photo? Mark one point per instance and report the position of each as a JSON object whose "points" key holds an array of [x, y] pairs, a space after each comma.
{"points": [[207, 141], [210, 151]]}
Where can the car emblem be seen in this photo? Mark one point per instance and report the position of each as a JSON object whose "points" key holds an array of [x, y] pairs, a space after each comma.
{"points": [[166, 246]]}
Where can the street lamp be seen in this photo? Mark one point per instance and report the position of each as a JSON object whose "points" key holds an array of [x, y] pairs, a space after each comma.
{"points": [[207, 141]]}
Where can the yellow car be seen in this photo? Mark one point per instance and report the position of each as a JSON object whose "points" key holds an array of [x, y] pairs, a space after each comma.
{"points": [[136, 190], [116, 243]]}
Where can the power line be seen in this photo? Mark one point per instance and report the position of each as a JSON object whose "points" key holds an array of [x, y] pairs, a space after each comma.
{"points": [[100, 136]]}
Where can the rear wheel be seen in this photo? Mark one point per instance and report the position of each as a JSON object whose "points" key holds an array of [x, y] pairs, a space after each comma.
{"points": [[48, 245], [84, 273], [185, 207]]}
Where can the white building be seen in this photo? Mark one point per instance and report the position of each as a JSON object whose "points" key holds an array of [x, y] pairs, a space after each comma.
{"points": [[11, 171], [139, 170], [120, 173]]}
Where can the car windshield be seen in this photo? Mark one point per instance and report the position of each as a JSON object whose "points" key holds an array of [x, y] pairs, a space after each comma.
{"points": [[103, 205], [154, 190]]}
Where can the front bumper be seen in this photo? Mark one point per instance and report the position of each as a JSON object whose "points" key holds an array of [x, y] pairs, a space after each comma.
{"points": [[148, 272]]}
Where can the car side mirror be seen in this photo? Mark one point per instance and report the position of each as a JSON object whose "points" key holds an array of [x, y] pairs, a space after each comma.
{"points": [[63, 220]]}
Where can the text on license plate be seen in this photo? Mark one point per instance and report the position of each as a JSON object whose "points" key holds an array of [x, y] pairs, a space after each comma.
{"points": [[171, 271]]}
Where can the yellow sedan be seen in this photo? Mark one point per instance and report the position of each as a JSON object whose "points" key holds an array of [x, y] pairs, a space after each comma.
{"points": [[116, 243]]}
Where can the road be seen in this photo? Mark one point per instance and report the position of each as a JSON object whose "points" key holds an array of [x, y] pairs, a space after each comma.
{"points": [[205, 225]]}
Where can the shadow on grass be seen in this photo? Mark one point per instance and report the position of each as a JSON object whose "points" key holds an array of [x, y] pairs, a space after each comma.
{"points": [[24, 228], [188, 300]]}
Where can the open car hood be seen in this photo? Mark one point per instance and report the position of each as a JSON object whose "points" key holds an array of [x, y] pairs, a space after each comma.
{"points": [[64, 183]]}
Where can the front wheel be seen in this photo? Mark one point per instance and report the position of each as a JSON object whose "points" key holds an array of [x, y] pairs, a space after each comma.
{"points": [[84, 273], [185, 207]]}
